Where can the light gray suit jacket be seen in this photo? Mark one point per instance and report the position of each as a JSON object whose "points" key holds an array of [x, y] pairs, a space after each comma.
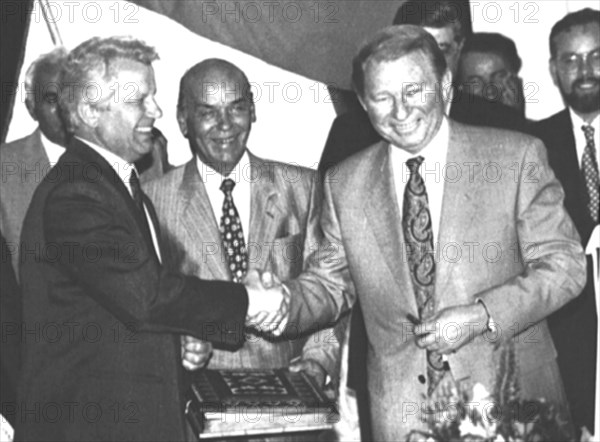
{"points": [[504, 238], [279, 238], [23, 165]]}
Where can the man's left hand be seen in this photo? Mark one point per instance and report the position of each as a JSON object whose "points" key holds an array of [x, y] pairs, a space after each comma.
{"points": [[451, 328], [311, 368]]}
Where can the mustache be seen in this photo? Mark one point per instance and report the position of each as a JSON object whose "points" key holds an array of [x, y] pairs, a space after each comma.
{"points": [[579, 81]]}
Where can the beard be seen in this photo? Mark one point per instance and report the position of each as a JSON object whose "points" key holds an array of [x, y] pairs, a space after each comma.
{"points": [[581, 100]]}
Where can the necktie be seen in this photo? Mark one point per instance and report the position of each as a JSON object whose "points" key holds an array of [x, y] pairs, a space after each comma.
{"points": [[589, 166], [136, 191], [232, 234], [418, 234]]}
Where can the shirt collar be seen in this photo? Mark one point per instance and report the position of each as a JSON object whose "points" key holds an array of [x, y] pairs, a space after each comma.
{"points": [[121, 167], [53, 150], [211, 177], [578, 121]]}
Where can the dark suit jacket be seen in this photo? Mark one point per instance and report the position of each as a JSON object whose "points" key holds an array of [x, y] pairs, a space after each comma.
{"points": [[574, 327], [352, 131], [103, 360], [10, 354]]}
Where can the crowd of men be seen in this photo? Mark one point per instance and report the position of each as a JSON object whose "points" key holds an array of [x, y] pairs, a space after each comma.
{"points": [[142, 271]]}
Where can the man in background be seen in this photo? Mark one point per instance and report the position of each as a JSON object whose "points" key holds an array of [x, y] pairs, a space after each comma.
{"points": [[572, 137], [25, 162], [489, 67], [227, 212]]}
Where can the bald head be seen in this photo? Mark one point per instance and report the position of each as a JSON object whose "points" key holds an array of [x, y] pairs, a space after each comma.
{"points": [[215, 112], [208, 75]]}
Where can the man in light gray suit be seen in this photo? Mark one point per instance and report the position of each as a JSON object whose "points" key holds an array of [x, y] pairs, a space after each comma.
{"points": [[25, 162], [227, 212], [454, 238]]}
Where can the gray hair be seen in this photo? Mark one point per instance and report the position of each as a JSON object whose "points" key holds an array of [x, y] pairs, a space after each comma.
{"points": [[92, 60]]}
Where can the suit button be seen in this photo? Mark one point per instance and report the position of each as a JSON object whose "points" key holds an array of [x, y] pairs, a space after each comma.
{"points": [[422, 379]]}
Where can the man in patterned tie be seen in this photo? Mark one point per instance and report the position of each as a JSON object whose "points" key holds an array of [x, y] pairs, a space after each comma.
{"points": [[453, 238], [572, 137], [228, 211]]}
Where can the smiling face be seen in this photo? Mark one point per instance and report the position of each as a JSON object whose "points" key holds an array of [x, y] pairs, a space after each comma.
{"points": [[124, 122], [489, 75], [575, 68], [404, 101], [217, 115]]}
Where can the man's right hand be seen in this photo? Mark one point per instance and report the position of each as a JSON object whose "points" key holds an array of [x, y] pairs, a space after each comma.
{"points": [[268, 303]]}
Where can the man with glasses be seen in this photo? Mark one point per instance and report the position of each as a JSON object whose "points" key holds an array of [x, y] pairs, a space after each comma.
{"points": [[572, 137]]}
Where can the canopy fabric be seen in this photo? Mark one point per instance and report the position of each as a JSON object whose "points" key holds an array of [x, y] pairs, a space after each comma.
{"points": [[316, 39]]}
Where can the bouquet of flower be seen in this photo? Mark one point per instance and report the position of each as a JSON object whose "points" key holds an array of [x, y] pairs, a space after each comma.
{"points": [[499, 417]]}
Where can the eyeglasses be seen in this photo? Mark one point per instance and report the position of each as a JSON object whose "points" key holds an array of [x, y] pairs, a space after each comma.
{"points": [[572, 62]]}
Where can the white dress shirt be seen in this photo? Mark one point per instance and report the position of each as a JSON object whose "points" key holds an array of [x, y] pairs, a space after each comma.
{"points": [[123, 170], [580, 141], [241, 194], [53, 150], [432, 170]]}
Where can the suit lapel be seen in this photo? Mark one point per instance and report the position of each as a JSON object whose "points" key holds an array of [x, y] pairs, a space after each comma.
{"points": [[198, 221], [383, 215], [458, 210], [265, 211], [108, 174], [36, 151]]}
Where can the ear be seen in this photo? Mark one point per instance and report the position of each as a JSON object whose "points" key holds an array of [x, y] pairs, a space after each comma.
{"points": [[88, 113], [252, 113], [554, 72], [447, 87], [181, 119], [362, 102], [459, 47], [30, 105]]}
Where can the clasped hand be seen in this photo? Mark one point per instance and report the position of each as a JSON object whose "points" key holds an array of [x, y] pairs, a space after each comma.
{"points": [[451, 328], [268, 303]]}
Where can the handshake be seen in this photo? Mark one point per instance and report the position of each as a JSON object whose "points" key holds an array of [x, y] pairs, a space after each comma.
{"points": [[268, 303]]}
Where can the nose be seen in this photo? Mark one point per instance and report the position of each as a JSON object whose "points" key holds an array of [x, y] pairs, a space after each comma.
{"points": [[153, 110], [224, 119], [401, 108]]}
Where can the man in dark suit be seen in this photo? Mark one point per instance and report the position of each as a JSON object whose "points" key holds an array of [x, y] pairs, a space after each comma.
{"points": [[448, 22], [102, 316], [26, 161], [572, 137]]}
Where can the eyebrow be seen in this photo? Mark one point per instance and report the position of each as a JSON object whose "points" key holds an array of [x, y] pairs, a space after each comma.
{"points": [[239, 100]]}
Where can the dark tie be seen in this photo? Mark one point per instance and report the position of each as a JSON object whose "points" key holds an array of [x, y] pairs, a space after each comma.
{"points": [[589, 166], [418, 234], [232, 234], [136, 191]]}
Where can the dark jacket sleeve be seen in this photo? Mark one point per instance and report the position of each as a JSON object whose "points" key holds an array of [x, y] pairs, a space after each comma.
{"points": [[10, 312], [103, 249]]}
